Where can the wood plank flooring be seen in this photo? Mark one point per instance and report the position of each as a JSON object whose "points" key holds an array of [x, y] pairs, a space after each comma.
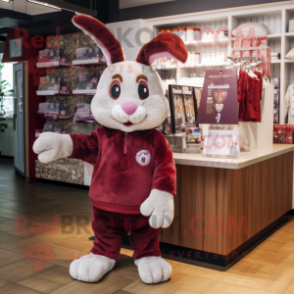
{"points": [[59, 218]]}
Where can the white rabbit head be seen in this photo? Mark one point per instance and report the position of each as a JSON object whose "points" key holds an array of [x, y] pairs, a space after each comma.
{"points": [[130, 95]]}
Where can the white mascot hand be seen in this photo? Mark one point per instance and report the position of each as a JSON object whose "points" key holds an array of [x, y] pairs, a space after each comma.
{"points": [[51, 146], [160, 207]]}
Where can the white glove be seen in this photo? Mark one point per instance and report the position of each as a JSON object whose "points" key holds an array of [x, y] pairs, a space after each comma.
{"points": [[51, 146], [160, 206]]}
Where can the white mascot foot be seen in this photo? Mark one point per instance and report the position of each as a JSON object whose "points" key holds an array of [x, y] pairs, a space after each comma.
{"points": [[91, 268], [153, 269]]}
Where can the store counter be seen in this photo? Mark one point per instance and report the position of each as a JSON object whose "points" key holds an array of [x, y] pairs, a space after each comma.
{"points": [[225, 205]]}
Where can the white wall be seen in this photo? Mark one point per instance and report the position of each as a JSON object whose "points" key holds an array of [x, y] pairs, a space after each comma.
{"points": [[130, 34]]}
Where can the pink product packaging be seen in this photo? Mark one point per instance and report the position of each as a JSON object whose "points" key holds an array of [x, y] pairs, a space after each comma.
{"points": [[237, 43], [255, 42], [236, 54], [255, 54], [246, 53], [246, 43], [263, 40]]}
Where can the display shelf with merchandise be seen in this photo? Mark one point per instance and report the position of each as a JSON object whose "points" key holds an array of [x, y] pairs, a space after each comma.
{"points": [[196, 66], [275, 17]]}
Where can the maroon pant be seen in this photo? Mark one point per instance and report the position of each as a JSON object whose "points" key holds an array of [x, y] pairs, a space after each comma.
{"points": [[109, 228]]}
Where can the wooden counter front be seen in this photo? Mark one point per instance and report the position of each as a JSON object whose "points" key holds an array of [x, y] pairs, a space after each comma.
{"points": [[212, 202]]}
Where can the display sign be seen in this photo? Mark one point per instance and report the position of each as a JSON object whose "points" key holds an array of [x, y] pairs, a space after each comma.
{"points": [[15, 48], [219, 101], [183, 105], [224, 142]]}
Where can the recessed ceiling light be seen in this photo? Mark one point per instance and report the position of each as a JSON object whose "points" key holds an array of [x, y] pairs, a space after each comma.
{"points": [[5, 1]]}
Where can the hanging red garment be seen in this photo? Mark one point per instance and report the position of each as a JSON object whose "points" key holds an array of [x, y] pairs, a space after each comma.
{"points": [[252, 97], [242, 90]]}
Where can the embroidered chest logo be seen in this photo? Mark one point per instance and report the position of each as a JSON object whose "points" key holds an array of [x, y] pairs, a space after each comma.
{"points": [[143, 157]]}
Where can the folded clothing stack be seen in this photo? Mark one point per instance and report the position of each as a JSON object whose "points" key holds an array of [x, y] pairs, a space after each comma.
{"points": [[275, 56]]}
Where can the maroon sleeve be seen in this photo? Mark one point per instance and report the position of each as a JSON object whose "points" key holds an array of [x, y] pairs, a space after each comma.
{"points": [[85, 147], [164, 177]]}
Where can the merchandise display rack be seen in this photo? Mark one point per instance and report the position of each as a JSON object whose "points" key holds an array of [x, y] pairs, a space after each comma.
{"points": [[275, 16]]}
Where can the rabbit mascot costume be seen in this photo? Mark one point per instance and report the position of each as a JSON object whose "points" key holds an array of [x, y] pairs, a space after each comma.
{"points": [[134, 178]]}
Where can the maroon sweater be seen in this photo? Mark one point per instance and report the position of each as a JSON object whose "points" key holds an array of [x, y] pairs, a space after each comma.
{"points": [[127, 166]]}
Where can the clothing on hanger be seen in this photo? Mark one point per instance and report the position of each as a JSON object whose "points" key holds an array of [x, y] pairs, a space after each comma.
{"points": [[249, 95], [289, 104]]}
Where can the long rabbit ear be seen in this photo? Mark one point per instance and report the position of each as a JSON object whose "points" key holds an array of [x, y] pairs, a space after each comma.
{"points": [[103, 37], [163, 45]]}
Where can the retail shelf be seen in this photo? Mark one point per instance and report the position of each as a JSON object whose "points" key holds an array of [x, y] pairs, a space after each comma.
{"points": [[53, 92], [47, 92], [206, 43], [95, 61], [289, 34], [193, 67], [84, 92], [274, 36], [276, 61], [64, 92], [52, 64], [289, 61], [269, 36]]}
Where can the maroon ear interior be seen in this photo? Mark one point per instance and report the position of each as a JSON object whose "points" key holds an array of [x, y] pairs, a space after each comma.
{"points": [[163, 45], [103, 37]]}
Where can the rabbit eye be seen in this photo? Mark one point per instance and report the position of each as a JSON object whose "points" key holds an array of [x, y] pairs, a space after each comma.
{"points": [[115, 90], [143, 90]]}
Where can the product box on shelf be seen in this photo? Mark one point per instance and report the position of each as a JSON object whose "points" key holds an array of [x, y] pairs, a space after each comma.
{"points": [[177, 142], [276, 82], [64, 110], [87, 83], [64, 88], [49, 85], [88, 55], [193, 140], [54, 110], [55, 127], [50, 111], [52, 57], [283, 134], [83, 113]]}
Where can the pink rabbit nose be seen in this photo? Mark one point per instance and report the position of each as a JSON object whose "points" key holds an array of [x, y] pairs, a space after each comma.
{"points": [[129, 108]]}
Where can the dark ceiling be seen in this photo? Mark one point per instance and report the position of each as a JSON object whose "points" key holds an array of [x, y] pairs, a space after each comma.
{"points": [[46, 24]]}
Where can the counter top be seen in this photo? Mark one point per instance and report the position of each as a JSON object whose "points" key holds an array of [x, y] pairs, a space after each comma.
{"points": [[246, 158]]}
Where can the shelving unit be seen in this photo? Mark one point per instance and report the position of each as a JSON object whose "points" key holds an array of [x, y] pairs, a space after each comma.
{"points": [[195, 67], [88, 62], [52, 64], [275, 16], [84, 92]]}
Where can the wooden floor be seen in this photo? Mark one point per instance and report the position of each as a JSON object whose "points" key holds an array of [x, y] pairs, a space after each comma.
{"points": [[267, 269]]}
